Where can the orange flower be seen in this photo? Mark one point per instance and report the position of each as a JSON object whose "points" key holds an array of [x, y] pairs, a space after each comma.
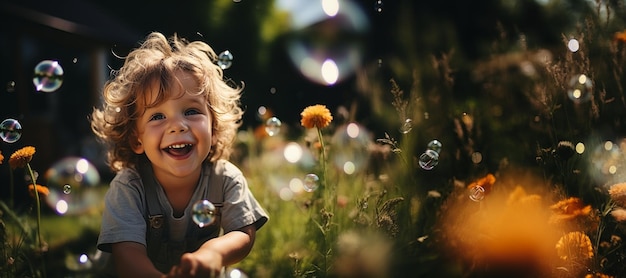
{"points": [[42, 190], [316, 116], [21, 157], [620, 36], [569, 209], [574, 246], [1, 158], [485, 182]]}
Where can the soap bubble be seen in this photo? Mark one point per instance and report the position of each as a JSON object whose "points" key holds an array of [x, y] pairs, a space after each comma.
{"points": [[48, 76], [429, 159], [72, 182], [326, 42], [203, 213], [225, 59], [406, 126], [350, 145], [272, 126], [580, 88], [10, 130], [310, 182], [477, 193], [434, 145]]}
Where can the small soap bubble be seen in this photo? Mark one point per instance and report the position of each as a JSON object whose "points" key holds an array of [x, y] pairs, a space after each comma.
{"points": [[272, 126], [477, 193], [429, 159], [11, 86], [10, 130], [235, 273], [580, 88], [311, 182], [406, 126], [434, 145], [67, 189], [48, 76], [378, 6], [225, 59], [203, 213]]}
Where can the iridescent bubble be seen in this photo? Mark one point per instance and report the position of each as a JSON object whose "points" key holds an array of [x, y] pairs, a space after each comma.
{"points": [[10, 130], [225, 59], [326, 41], [203, 213], [580, 88], [272, 126], [311, 182], [477, 193], [434, 145], [350, 146], [73, 175], [406, 126], [235, 273], [429, 159], [48, 76]]}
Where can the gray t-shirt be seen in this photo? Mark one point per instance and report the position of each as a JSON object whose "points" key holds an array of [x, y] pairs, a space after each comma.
{"points": [[124, 216]]}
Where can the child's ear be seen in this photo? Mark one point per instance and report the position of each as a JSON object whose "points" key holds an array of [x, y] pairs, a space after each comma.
{"points": [[136, 145]]}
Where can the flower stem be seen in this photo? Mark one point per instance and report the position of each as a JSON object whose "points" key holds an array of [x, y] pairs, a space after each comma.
{"points": [[38, 204]]}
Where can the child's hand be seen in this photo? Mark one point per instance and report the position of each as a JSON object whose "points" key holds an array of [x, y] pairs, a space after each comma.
{"points": [[206, 264]]}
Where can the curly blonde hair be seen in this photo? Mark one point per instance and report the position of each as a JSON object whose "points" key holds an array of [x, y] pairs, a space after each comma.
{"points": [[154, 62]]}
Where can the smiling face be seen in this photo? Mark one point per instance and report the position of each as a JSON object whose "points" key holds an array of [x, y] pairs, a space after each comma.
{"points": [[175, 134]]}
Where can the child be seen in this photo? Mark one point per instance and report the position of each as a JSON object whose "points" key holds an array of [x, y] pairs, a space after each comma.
{"points": [[169, 120]]}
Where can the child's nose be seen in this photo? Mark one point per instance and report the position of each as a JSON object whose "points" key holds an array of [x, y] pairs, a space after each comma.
{"points": [[178, 125]]}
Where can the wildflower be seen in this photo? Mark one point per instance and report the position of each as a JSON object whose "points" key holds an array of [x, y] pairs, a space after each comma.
{"points": [[43, 190], [598, 275], [619, 214], [316, 116], [574, 246], [620, 36], [569, 209], [618, 193], [1, 158], [485, 182], [21, 157]]}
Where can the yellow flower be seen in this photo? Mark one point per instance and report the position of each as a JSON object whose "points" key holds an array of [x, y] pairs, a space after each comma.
{"points": [[574, 246], [42, 190], [316, 116], [618, 193], [21, 157]]}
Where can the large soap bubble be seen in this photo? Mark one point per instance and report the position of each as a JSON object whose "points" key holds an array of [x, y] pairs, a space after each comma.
{"points": [[72, 182]]}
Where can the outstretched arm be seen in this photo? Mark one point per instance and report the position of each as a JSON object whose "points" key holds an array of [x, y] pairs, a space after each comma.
{"points": [[216, 253], [131, 260]]}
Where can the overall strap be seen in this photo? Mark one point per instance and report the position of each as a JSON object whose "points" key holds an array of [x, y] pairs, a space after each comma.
{"points": [[155, 219]]}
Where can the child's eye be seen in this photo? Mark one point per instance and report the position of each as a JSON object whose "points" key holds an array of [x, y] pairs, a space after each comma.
{"points": [[192, 112], [156, 117]]}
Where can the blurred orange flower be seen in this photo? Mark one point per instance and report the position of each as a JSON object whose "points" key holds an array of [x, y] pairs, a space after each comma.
{"points": [[316, 116], [485, 182], [1, 158], [569, 209], [21, 157], [40, 189], [620, 36]]}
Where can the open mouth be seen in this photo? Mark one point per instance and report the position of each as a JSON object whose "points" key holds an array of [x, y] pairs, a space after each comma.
{"points": [[178, 149]]}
